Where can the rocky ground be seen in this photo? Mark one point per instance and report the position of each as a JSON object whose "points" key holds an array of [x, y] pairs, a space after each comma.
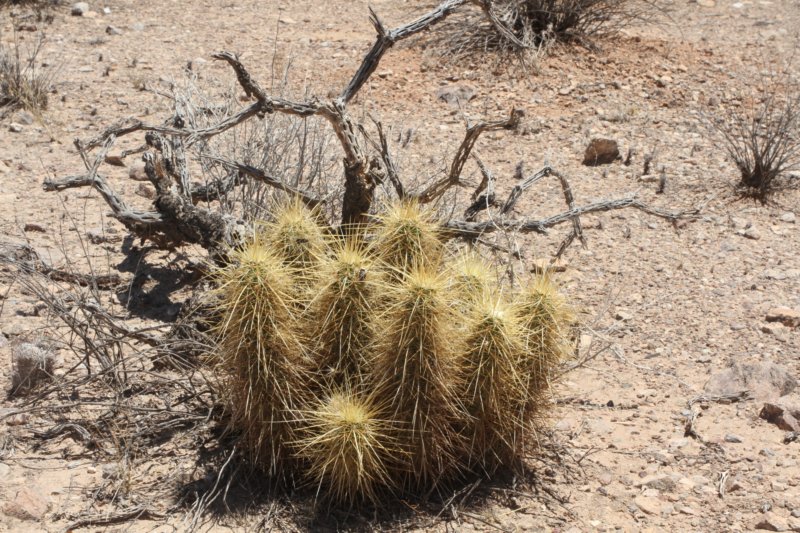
{"points": [[653, 428]]}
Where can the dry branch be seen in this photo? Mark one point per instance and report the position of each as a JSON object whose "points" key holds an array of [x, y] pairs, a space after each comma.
{"points": [[386, 39], [453, 177], [460, 228], [177, 219]]}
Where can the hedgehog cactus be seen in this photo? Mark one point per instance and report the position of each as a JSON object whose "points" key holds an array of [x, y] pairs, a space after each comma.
{"points": [[379, 361]]}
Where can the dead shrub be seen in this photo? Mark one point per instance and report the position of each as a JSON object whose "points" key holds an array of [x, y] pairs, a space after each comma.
{"points": [[525, 26], [761, 135]]}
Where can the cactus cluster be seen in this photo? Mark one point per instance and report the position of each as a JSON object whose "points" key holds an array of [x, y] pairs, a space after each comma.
{"points": [[379, 361]]}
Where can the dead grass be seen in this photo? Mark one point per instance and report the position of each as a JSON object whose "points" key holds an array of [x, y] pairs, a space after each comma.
{"points": [[530, 27], [24, 83], [761, 134]]}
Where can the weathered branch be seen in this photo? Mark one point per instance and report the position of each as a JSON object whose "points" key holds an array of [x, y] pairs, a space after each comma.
{"points": [[388, 162], [453, 177], [520, 188], [577, 229], [460, 228], [488, 9], [259, 175], [386, 39], [481, 202]]}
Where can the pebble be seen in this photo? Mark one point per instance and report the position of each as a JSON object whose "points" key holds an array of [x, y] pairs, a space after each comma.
{"points": [[788, 217], [24, 117], [735, 439], [79, 9], [113, 30], [137, 172], [15, 127], [624, 316]]}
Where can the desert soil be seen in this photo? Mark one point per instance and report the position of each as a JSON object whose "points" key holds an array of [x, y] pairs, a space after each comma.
{"points": [[663, 306]]}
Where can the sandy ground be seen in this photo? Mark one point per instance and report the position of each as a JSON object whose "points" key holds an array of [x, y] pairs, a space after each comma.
{"points": [[665, 306]]}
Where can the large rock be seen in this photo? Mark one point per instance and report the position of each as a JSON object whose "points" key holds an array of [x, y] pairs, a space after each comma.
{"points": [[772, 522], [601, 152], [28, 505], [785, 315], [783, 412], [765, 381], [455, 95], [31, 365]]}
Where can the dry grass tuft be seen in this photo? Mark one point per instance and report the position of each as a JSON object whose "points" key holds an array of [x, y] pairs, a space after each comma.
{"points": [[762, 136], [23, 83]]}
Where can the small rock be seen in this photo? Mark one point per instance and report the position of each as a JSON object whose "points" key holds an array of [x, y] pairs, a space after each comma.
{"points": [[623, 315], [385, 73], [601, 152], [775, 328], [27, 505], [24, 117], [750, 233], [785, 315], [106, 11], [455, 95], [79, 9], [114, 160], [679, 443], [660, 482], [734, 439], [765, 381], [31, 365], [102, 235], [15, 127], [788, 217], [732, 484], [706, 3], [113, 30], [36, 228], [772, 522], [782, 413], [145, 190], [648, 504], [137, 173], [796, 513]]}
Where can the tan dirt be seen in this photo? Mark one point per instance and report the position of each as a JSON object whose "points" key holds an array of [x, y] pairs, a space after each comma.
{"points": [[671, 304]]}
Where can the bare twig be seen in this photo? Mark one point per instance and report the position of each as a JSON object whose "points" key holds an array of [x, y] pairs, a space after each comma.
{"points": [[453, 177]]}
